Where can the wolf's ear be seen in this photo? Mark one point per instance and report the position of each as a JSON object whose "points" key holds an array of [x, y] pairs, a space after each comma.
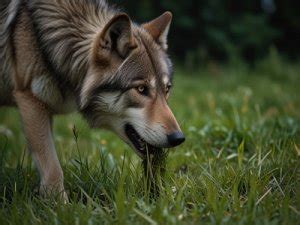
{"points": [[159, 28], [117, 35]]}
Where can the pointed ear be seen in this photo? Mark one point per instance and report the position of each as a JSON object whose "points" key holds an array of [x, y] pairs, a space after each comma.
{"points": [[117, 35], [159, 28]]}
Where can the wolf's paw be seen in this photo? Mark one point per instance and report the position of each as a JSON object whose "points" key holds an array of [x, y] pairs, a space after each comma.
{"points": [[56, 192]]}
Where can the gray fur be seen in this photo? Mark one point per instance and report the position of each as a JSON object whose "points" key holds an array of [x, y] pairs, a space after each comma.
{"points": [[66, 30], [66, 55], [8, 12]]}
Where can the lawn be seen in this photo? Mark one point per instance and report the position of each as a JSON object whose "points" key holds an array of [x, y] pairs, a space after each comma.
{"points": [[239, 164]]}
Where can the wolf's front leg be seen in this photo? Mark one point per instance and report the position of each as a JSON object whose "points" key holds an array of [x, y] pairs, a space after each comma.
{"points": [[36, 120]]}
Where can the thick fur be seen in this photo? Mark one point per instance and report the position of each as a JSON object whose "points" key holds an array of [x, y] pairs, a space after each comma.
{"points": [[8, 12], [59, 56]]}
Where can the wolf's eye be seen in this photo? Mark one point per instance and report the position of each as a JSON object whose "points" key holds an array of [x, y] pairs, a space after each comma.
{"points": [[168, 88], [143, 90]]}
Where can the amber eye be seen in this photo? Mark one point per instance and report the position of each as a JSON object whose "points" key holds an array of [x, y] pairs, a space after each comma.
{"points": [[143, 90], [168, 88]]}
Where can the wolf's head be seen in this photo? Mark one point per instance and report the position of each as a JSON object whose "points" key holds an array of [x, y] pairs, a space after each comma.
{"points": [[128, 84]]}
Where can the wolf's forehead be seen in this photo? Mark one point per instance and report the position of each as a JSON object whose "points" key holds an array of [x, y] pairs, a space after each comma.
{"points": [[159, 67], [141, 66], [147, 62], [156, 64]]}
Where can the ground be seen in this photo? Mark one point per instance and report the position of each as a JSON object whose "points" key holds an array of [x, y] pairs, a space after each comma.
{"points": [[239, 164]]}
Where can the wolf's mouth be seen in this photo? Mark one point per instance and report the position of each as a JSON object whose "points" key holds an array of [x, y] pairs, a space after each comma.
{"points": [[138, 142]]}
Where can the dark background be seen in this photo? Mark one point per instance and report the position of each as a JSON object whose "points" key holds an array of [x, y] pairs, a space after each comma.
{"points": [[222, 30]]}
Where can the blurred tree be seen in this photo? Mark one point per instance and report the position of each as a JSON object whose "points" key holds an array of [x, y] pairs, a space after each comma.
{"points": [[223, 29]]}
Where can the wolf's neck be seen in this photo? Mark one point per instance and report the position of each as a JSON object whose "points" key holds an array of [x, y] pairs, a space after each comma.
{"points": [[66, 31]]}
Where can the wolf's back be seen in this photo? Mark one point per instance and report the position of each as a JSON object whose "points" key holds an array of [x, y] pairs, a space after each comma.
{"points": [[8, 13]]}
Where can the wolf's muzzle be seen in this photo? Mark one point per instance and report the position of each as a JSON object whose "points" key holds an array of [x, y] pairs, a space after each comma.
{"points": [[176, 138]]}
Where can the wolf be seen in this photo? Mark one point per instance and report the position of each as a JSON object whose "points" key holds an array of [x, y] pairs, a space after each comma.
{"points": [[61, 56]]}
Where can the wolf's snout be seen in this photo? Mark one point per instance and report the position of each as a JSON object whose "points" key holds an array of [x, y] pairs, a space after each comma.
{"points": [[176, 138]]}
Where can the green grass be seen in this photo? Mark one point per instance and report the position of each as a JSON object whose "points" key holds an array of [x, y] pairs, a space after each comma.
{"points": [[239, 164]]}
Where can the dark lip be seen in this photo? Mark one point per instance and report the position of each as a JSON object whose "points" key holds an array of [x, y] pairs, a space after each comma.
{"points": [[138, 142]]}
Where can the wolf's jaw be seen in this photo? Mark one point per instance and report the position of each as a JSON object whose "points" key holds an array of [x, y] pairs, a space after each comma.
{"points": [[141, 146]]}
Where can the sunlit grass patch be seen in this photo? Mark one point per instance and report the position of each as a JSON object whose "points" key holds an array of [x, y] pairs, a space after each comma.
{"points": [[239, 164]]}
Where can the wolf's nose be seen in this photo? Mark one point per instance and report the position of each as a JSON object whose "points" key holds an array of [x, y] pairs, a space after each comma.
{"points": [[176, 138]]}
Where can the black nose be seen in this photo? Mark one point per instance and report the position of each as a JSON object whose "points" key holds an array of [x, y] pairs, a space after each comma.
{"points": [[176, 138]]}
